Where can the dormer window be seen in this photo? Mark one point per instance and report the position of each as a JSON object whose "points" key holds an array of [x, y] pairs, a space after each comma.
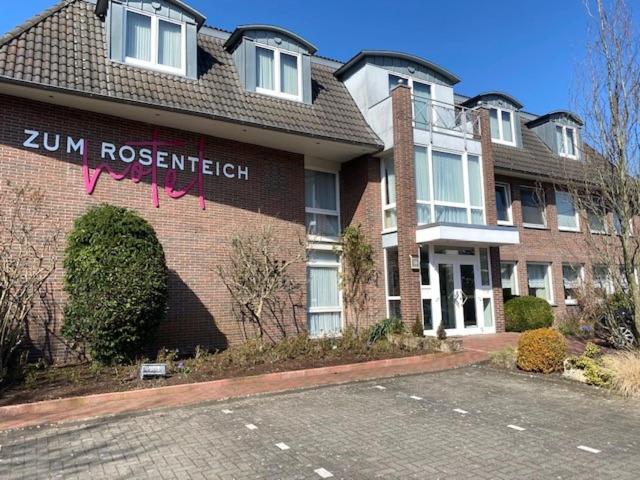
{"points": [[154, 42], [278, 73], [502, 127], [566, 139]]}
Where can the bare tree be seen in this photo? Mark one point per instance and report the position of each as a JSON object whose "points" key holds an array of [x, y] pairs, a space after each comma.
{"points": [[260, 281], [608, 98], [26, 261]]}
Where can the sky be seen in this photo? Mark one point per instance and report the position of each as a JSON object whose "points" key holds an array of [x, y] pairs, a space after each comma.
{"points": [[531, 49]]}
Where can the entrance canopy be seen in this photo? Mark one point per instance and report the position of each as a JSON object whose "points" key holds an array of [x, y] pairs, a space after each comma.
{"points": [[467, 234]]}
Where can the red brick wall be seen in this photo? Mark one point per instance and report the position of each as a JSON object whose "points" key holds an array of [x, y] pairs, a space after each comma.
{"points": [[195, 240]]}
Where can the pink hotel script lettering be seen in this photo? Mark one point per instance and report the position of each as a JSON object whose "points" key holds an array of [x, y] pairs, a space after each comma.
{"points": [[148, 155]]}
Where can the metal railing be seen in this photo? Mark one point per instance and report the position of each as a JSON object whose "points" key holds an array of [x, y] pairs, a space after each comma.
{"points": [[429, 114]]}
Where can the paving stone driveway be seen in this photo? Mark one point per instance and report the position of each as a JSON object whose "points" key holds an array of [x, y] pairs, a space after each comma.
{"points": [[413, 428]]}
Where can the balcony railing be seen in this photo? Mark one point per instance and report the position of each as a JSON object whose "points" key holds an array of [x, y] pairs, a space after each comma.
{"points": [[433, 115]]}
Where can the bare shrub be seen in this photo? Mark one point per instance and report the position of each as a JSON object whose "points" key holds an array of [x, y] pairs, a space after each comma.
{"points": [[625, 368]]}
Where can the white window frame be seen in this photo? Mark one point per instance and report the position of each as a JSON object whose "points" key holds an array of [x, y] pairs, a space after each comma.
{"points": [[501, 140], [507, 188], [389, 298], [338, 309], [277, 85], [575, 207], [575, 266], [609, 287], [563, 147], [550, 300], [516, 290], [155, 32], [433, 203], [390, 206], [605, 224], [322, 211], [410, 82], [544, 208]]}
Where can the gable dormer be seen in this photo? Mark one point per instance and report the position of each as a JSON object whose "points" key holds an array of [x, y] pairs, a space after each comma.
{"points": [[155, 34], [560, 130], [504, 116], [272, 61]]}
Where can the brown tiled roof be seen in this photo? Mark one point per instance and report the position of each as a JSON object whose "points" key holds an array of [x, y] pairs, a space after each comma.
{"points": [[65, 48], [535, 158]]}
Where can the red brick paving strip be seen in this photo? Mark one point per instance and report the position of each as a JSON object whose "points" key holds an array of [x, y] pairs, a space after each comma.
{"points": [[81, 408]]}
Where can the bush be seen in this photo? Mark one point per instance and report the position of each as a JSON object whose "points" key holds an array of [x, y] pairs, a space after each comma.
{"points": [[625, 372], [505, 358], [385, 327], [542, 350], [527, 313], [417, 328], [116, 278]]}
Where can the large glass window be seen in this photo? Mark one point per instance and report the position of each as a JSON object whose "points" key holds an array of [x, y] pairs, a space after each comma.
{"points": [[566, 141], [596, 217], [484, 268], [392, 268], [442, 195], [323, 296], [389, 194], [509, 280], [567, 212], [153, 42], [503, 203], [278, 73], [539, 277], [321, 200], [533, 207], [502, 128], [571, 282], [602, 280], [424, 266]]}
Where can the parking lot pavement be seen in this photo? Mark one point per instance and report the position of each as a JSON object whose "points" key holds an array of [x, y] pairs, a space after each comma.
{"points": [[474, 422]]}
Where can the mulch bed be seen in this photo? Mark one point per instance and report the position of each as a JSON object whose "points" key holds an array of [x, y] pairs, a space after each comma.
{"points": [[78, 380]]}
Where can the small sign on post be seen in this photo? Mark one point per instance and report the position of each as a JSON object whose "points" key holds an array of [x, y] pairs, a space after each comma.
{"points": [[148, 370]]}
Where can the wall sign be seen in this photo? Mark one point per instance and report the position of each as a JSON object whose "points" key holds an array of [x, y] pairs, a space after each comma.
{"points": [[142, 159]]}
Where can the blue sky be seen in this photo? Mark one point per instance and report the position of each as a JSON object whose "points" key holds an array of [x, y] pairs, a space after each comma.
{"points": [[530, 49]]}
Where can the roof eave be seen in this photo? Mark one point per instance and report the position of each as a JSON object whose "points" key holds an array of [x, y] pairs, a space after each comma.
{"points": [[103, 5], [237, 34]]}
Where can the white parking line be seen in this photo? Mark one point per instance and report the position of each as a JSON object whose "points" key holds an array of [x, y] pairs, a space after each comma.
{"points": [[282, 446], [415, 397], [380, 387], [516, 427], [459, 410], [251, 426], [588, 449], [226, 411], [323, 473]]}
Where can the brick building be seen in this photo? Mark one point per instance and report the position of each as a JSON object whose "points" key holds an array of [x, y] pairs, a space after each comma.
{"points": [[206, 133]]}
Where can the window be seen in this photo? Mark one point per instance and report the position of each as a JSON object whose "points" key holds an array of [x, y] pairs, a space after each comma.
{"points": [[321, 200], [568, 218], [509, 280], [421, 93], [602, 281], [278, 73], [502, 127], [539, 278], [596, 218], [153, 42], [572, 276], [442, 194], [503, 203], [392, 269], [424, 265], [323, 296], [533, 207], [484, 268], [389, 194], [566, 141]]}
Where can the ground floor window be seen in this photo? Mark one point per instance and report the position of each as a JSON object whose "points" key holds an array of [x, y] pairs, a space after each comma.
{"points": [[509, 280], [325, 306], [392, 269], [571, 281], [539, 277], [602, 280]]}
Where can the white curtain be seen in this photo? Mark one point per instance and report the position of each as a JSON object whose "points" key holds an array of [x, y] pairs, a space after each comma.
{"points": [[423, 213], [421, 104], [560, 140], [506, 127], [506, 274], [264, 68], [488, 312], [447, 177], [475, 181], [320, 190], [538, 280], [493, 121], [170, 44], [566, 210], [451, 215], [321, 324], [138, 36], [390, 181], [323, 287], [570, 142], [422, 174], [477, 217], [570, 277], [289, 74]]}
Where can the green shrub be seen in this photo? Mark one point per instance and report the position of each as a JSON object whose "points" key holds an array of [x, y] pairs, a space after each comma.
{"points": [[116, 278], [527, 313], [385, 327], [542, 350]]}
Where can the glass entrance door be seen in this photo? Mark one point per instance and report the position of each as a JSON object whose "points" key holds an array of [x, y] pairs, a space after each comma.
{"points": [[457, 288]]}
